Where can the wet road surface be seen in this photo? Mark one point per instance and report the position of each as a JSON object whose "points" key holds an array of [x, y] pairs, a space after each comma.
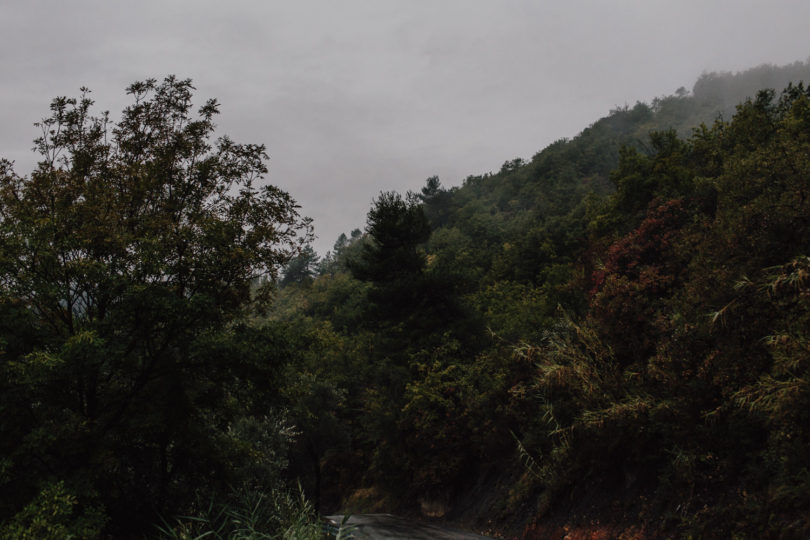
{"points": [[388, 527]]}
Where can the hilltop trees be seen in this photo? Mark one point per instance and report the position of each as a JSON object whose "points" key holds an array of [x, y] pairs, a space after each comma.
{"points": [[126, 257]]}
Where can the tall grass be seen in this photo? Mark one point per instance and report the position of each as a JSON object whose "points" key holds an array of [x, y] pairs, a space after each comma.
{"points": [[277, 515]]}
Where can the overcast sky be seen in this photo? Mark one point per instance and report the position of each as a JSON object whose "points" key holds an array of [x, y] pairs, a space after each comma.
{"points": [[353, 97]]}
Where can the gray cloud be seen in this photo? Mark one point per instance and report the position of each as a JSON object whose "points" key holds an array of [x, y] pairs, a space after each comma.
{"points": [[354, 97]]}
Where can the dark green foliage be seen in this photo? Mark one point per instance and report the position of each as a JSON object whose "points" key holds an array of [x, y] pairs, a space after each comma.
{"points": [[674, 242], [344, 250], [396, 227], [301, 269], [55, 514], [124, 260], [679, 374], [629, 307], [277, 515]]}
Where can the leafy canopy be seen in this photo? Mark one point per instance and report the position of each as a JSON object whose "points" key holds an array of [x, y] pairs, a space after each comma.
{"points": [[132, 243]]}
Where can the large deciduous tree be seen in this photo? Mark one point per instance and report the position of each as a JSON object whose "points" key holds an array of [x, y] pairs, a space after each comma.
{"points": [[129, 245]]}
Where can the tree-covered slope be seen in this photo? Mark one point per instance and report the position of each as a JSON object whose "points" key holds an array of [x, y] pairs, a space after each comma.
{"points": [[570, 321]]}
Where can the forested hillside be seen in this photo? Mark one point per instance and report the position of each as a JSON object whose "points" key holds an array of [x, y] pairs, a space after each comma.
{"points": [[616, 320], [609, 338]]}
